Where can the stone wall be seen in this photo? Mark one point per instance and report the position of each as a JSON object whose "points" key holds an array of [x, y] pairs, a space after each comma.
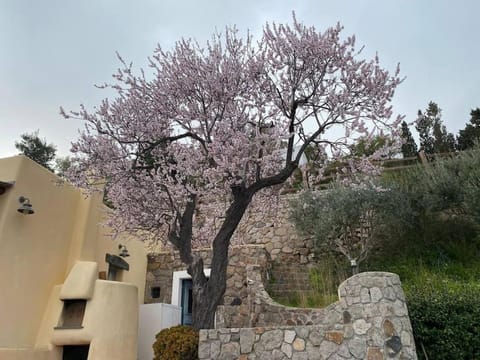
{"points": [[271, 231], [161, 266], [270, 228], [276, 233], [370, 321]]}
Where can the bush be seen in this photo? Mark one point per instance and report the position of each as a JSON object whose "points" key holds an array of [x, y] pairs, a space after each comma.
{"points": [[445, 320], [176, 343], [352, 221]]}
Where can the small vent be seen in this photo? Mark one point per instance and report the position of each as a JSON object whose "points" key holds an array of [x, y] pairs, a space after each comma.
{"points": [[155, 292]]}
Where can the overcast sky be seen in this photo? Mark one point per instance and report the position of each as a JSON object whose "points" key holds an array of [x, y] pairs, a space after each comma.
{"points": [[52, 52]]}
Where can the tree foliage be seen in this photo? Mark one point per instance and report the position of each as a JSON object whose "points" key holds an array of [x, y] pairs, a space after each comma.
{"points": [[409, 146], [452, 186], [351, 219], [434, 137], [37, 149], [186, 151], [368, 146], [62, 165], [467, 137]]}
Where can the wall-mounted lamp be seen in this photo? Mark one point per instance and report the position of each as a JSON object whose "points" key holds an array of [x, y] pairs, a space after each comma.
{"points": [[354, 266], [123, 252], [25, 207]]}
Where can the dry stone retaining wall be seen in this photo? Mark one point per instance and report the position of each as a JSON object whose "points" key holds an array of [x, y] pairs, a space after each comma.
{"points": [[272, 229], [161, 266], [370, 321], [276, 233]]}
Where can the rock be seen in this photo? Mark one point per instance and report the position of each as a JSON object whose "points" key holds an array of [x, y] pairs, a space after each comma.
{"points": [[388, 328], [327, 348], [361, 327], [334, 336], [287, 250], [376, 337], [212, 334], [376, 294], [394, 345], [300, 356], [247, 338], [374, 353], [406, 338], [389, 293], [289, 336], [399, 308], [214, 349], [204, 350], [287, 350], [230, 351], [277, 355], [202, 335], [357, 347], [365, 295], [272, 339], [225, 338], [316, 337], [299, 344]]}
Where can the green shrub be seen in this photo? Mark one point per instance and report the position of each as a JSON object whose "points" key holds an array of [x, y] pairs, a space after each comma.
{"points": [[176, 343], [351, 220], [445, 320]]}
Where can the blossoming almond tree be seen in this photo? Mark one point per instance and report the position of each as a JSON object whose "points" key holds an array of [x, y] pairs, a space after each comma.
{"points": [[221, 124]]}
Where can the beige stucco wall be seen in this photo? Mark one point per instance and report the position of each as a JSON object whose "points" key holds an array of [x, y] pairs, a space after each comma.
{"points": [[38, 251], [109, 325]]}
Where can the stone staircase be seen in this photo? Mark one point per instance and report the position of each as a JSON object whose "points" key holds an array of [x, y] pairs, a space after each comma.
{"points": [[287, 280]]}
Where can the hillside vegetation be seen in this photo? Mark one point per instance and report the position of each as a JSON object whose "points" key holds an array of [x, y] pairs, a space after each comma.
{"points": [[435, 247]]}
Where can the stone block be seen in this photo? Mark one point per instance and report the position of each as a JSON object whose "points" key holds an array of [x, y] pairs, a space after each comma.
{"points": [[327, 348], [289, 336], [247, 339], [376, 294], [272, 339], [230, 351], [298, 344], [287, 350], [360, 326], [204, 350], [374, 353], [357, 347], [334, 336], [388, 328]]}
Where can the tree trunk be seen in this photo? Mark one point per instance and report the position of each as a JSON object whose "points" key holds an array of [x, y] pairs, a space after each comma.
{"points": [[204, 309], [208, 293]]}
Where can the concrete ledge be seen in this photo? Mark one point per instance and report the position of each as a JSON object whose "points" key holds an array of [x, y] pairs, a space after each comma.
{"points": [[80, 281]]}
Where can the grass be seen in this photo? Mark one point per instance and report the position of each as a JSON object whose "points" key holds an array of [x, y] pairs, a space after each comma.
{"points": [[324, 281], [444, 266]]}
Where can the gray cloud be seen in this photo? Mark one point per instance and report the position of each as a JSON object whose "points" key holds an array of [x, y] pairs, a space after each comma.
{"points": [[52, 51]]}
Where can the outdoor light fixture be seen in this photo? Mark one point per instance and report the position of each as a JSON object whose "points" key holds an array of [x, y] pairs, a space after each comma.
{"points": [[25, 207], [123, 250], [354, 266]]}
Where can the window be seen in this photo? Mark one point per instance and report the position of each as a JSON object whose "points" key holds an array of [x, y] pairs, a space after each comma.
{"points": [[155, 292]]}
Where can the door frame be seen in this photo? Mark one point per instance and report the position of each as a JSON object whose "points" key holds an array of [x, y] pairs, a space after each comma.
{"points": [[178, 276]]}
